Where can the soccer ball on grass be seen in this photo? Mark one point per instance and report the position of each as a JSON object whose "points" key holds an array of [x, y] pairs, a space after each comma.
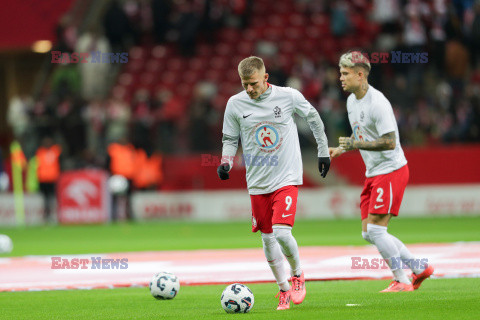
{"points": [[6, 244], [237, 298], [164, 285]]}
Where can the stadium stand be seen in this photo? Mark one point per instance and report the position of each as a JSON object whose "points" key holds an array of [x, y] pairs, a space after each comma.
{"points": [[182, 59]]}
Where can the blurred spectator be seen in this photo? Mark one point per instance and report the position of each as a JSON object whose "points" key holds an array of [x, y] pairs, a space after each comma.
{"points": [[71, 125], [66, 34], [340, 19], [121, 161], [161, 11], [4, 178], [212, 18], [48, 172], [66, 81], [148, 173], [188, 25], [142, 120], [93, 75], [387, 14], [168, 110], [276, 74], [18, 115], [202, 118], [139, 14], [95, 117], [266, 49], [117, 27], [117, 118], [438, 36], [475, 36], [456, 63], [89, 159]]}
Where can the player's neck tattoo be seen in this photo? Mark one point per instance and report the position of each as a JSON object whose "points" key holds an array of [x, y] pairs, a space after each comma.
{"points": [[362, 91]]}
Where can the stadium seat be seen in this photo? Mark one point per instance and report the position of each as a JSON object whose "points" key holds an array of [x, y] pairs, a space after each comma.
{"points": [[224, 49], [134, 66], [137, 53], [160, 52]]}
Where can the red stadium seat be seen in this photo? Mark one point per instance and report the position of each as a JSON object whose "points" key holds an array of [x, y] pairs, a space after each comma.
{"points": [[246, 48], [224, 49], [134, 66], [195, 64], [137, 53], [154, 65], [219, 63], [204, 50], [161, 52]]}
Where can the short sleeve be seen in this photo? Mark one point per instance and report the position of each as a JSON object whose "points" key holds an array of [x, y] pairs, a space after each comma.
{"points": [[383, 116], [231, 126], [301, 106]]}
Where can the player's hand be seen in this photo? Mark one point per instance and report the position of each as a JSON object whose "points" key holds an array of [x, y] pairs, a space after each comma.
{"points": [[323, 166], [223, 171], [346, 143], [335, 152]]}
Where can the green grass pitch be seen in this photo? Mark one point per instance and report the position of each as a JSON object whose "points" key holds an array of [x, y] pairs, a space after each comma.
{"points": [[169, 235], [437, 298]]}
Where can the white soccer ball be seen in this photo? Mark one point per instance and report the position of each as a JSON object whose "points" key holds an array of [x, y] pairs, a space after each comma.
{"points": [[6, 244], [118, 184], [164, 285], [237, 298]]}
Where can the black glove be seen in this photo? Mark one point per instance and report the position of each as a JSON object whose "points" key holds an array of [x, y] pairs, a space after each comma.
{"points": [[223, 171], [323, 166]]}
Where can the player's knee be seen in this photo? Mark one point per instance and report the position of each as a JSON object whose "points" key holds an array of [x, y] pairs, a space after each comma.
{"points": [[282, 234], [366, 236], [375, 231], [268, 239]]}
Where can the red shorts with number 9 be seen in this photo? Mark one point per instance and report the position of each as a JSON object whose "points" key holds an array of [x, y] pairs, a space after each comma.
{"points": [[383, 194], [278, 207]]}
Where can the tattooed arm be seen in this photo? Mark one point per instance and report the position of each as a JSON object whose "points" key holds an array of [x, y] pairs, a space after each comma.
{"points": [[385, 142], [335, 152]]}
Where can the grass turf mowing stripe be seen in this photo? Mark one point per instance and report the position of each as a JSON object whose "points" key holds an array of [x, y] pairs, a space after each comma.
{"points": [[169, 235], [436, 299]]}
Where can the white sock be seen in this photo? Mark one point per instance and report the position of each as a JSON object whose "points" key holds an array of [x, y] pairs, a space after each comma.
{"points": [[366, 237], [407, 257], [388, 249], [289, 247], [275, 260]]}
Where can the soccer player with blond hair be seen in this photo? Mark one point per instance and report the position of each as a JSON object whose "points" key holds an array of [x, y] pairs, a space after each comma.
{"points": [[262, 116], [375, 135]]}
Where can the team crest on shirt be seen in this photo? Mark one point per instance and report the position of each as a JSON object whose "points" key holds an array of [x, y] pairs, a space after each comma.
{"points": [[267, 136], [357, 131], [278, 112]]}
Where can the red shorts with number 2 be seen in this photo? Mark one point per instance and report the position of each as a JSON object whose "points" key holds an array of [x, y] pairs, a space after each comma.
{"points": [[278, 207], [383, 194]]}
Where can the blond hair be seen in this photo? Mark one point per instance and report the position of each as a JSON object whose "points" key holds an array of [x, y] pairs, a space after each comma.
{"points": [[355, 59], [250, 65]]}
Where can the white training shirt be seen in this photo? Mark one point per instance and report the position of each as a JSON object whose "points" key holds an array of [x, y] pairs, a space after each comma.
{"points": [[370, 118], [269, 137]]}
